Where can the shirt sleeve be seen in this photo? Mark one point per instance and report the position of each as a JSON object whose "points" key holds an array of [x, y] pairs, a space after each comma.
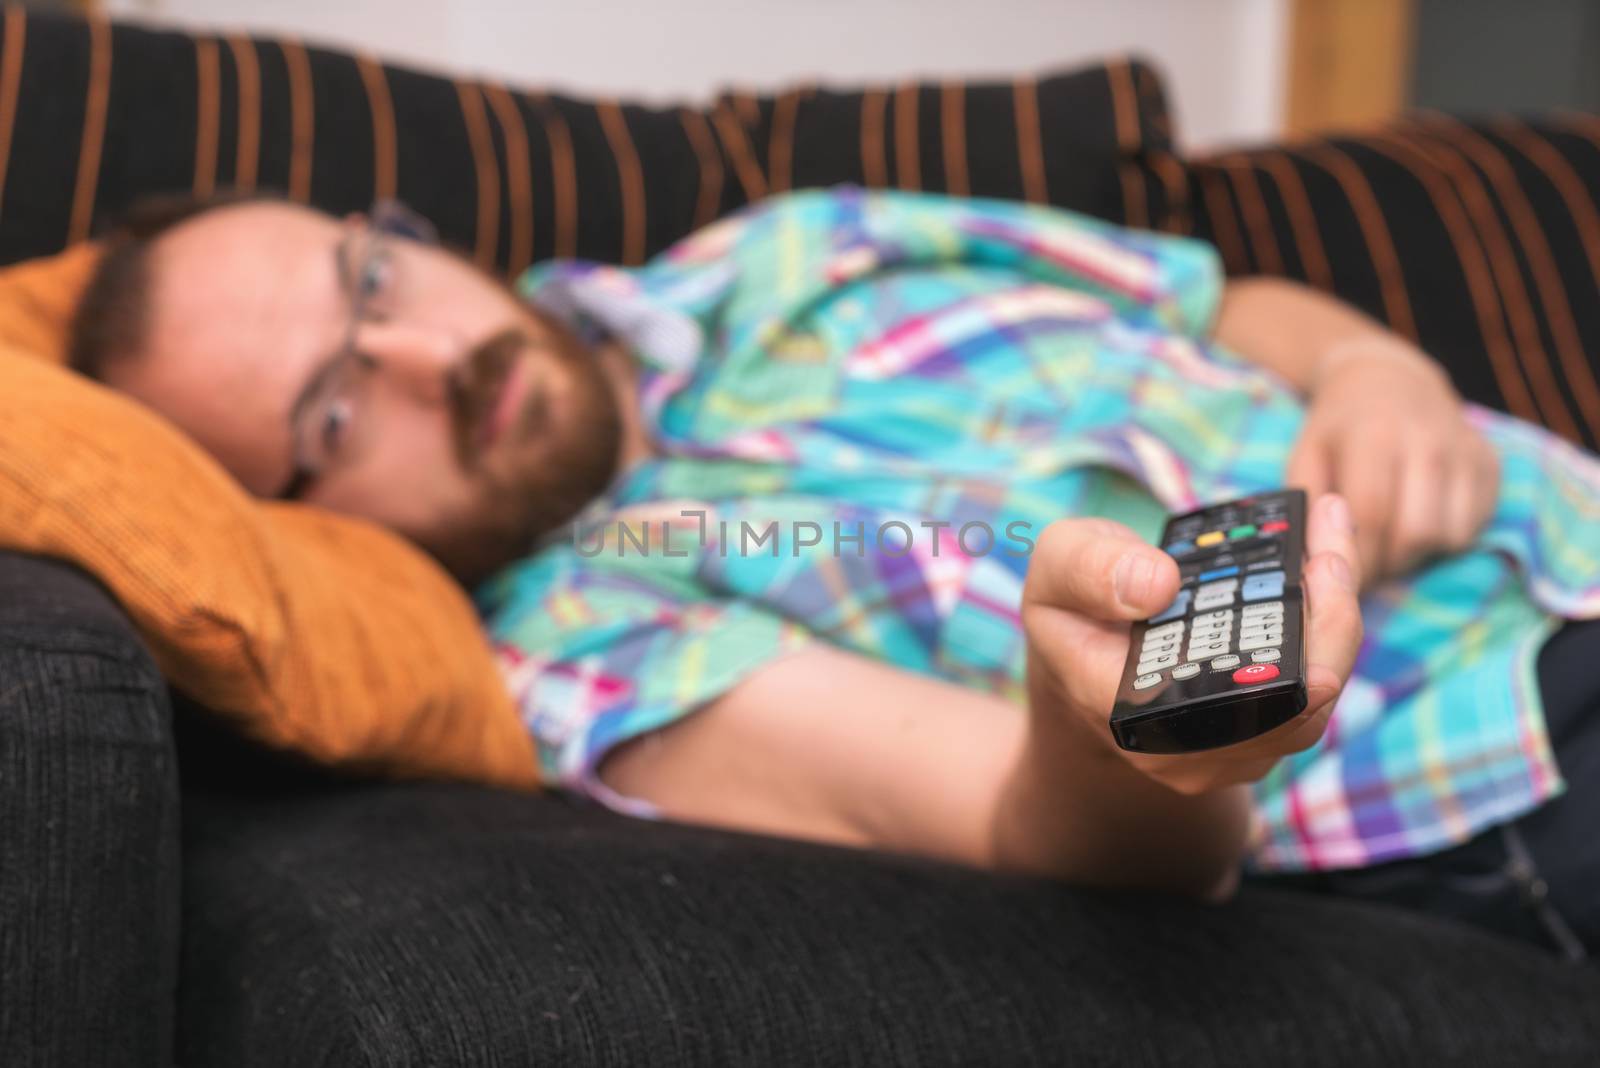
{"points": [[596, 656]]}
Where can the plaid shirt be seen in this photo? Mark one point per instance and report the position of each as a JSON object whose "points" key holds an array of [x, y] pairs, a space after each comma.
{"points": [[915, 370]]}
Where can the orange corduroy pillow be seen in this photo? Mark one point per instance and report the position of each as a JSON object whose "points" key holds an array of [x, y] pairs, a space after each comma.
{"points": [[314, 632]]}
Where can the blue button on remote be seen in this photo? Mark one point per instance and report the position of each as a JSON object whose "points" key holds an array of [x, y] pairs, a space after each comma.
{"points": [[1220, 572], [1266, 586], [1178, 607]]}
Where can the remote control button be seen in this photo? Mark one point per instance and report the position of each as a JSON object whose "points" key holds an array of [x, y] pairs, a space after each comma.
{"points": [[1224, 663], [1144, 682], [1178, 607], [1262, 609], [1206, 652], [1163, 630], [1221, 616], [1256, 631], [1267, 584], [1219, 573], [1186, 671], [1270, 639], [1276, 526], [1255, 673], [1241, 532], [1229, 584], [1180, 548], [1210, 537], [1264, 656], [1156, 663], [1204, 602]]}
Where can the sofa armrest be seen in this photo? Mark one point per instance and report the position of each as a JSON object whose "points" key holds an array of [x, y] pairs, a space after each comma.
{"points": [[1473, 237], [89, 870]]}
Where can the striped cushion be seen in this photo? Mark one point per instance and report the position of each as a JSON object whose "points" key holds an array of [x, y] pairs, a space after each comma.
{"points": [[1480, 240], [93, 115]]}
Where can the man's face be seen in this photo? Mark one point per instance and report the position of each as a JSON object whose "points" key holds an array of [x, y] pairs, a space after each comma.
{"points": [[467, 424]]}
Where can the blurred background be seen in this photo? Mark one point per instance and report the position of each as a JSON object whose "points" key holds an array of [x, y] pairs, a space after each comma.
{"points": [[1238, 70]]}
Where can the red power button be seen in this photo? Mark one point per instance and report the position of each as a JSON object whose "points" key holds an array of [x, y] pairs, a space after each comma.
{"points": [[1255, 673]]}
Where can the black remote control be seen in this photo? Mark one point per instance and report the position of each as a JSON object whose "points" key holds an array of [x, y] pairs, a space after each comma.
{"points": [[1226, 660]]}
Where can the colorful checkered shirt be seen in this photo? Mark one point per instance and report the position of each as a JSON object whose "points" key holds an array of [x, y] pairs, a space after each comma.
{"points": [[884, 376]]}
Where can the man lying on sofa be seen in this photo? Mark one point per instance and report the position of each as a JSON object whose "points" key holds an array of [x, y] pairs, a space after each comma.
{"points": [[726, 519]]}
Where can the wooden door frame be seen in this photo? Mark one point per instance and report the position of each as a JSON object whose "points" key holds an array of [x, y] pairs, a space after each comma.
{"points": [[1349, 63]]}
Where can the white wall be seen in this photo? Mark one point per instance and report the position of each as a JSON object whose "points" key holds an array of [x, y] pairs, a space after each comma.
{"points": [[1222, 58]]}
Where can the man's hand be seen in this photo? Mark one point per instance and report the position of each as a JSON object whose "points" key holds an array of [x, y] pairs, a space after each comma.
{"points": [[1089, 578], [1387, 431]]}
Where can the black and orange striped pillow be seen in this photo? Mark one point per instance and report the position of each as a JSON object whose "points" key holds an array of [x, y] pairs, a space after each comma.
{"points": [[94, 114], [1480, 240]]}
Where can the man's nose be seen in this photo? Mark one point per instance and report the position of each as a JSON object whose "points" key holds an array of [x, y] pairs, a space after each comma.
{"points": [[417, 359]]}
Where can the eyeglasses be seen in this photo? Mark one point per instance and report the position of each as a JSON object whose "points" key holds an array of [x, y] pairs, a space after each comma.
{"points": [[333, 413]]}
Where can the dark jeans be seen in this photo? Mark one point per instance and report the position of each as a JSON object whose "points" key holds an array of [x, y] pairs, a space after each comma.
{"points": [[1538, 877]]}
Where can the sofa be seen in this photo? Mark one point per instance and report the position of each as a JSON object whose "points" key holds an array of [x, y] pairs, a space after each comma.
{"points": [[171, 893]]}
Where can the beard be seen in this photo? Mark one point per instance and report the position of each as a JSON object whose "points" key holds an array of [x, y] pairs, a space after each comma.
{"points": [[558, 452]]}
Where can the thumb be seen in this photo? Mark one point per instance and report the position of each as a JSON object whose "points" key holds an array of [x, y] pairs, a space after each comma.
{"points": [[1099, 569]]}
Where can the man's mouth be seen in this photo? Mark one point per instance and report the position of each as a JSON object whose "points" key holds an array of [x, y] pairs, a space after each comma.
{"points": [[494, 396], [507, 404]]}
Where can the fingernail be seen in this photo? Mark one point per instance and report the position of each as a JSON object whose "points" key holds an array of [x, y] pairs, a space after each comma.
{"points": [[1341, 572], [1134, 576]]}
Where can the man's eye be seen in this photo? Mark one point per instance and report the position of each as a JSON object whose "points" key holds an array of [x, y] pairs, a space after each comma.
{"points": [[376, 275], [335, 427]]}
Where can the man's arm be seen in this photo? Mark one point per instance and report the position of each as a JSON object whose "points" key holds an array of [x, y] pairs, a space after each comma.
{"points": [[1384, 427], [829, 746], [1302, 334]]}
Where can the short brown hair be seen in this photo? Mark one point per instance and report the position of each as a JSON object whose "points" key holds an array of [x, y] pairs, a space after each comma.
{"points": [[109, 320]]}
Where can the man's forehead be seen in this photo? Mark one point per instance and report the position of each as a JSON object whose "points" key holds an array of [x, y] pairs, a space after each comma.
{"points": [[250, 272], [243, 235], [243, 305]]}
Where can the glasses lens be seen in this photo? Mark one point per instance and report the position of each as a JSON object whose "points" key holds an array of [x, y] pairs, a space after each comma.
{"points": [[333, 423], [356, 257]]}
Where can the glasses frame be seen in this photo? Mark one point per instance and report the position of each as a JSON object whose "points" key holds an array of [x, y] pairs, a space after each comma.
{"points": [[387, 222]]}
